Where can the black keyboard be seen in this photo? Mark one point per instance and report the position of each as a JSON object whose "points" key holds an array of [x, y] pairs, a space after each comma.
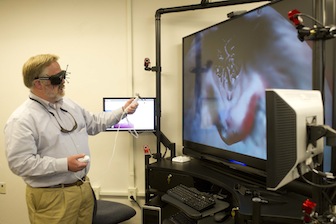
{"points": [[195, 199], [181, 218]]}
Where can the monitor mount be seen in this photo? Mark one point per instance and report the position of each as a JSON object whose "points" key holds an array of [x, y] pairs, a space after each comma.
{"points": [[315, 33], [316, 132]]}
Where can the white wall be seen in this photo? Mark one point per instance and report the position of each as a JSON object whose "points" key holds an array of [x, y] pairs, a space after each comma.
{"points": [[104, 42]]}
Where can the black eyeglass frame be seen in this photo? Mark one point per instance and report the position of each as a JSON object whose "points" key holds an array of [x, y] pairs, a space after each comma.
{"points": [[56, 79]]}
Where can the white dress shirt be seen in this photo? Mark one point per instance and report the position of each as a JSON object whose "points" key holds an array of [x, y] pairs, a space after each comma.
{"points": [[37, 150]]}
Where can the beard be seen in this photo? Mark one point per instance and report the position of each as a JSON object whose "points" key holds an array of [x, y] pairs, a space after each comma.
{"points": [[55, 93], [61, 92]]}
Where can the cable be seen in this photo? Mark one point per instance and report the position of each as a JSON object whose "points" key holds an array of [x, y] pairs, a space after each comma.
{"points": [[312, 183], [115, 139], [329, 200], [133, 132], [322, 174], [333, 195], [165, 152], [310, 17], [81, 179], [133, 199]]}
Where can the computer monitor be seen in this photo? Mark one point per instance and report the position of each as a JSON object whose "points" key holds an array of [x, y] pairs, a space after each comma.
{"points": [[289, 149], [143, 120]]}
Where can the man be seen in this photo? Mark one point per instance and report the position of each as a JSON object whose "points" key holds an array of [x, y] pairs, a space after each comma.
{"points": [[46, 137]]}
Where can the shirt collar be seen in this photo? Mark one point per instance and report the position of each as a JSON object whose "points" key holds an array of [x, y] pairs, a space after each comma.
{"points": [[46, 103]]}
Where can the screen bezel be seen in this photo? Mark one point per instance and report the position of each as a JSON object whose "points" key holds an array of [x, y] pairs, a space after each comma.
{"points": [[142, 99]]}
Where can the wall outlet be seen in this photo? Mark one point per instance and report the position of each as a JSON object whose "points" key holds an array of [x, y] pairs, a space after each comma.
{"points": [[132, 191], [2, 188]]}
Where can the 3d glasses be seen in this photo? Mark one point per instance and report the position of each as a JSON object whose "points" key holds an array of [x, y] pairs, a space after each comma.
{"points": [[55, 79]]}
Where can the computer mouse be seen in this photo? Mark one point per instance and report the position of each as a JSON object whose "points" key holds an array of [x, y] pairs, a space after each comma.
{"points": [[220, 216]]}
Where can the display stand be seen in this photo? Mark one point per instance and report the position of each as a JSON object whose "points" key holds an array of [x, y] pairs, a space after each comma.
{"points": [[250, 202]]}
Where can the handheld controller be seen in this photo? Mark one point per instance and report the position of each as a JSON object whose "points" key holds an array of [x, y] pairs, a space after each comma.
{"points": [[134, 101], [84, 159]]}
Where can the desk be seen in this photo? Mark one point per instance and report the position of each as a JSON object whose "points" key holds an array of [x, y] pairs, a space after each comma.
{"points": [[272, 207]]}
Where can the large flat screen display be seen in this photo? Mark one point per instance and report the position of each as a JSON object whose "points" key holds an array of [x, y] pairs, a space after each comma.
{"points": [[226, 69]]}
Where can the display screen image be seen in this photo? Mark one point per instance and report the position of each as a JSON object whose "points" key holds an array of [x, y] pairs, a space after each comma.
{"points": [[226, 69], [142, 120]]}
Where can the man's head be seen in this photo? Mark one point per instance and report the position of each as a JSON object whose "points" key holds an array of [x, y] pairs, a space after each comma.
{"points": [[43, 75]]}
